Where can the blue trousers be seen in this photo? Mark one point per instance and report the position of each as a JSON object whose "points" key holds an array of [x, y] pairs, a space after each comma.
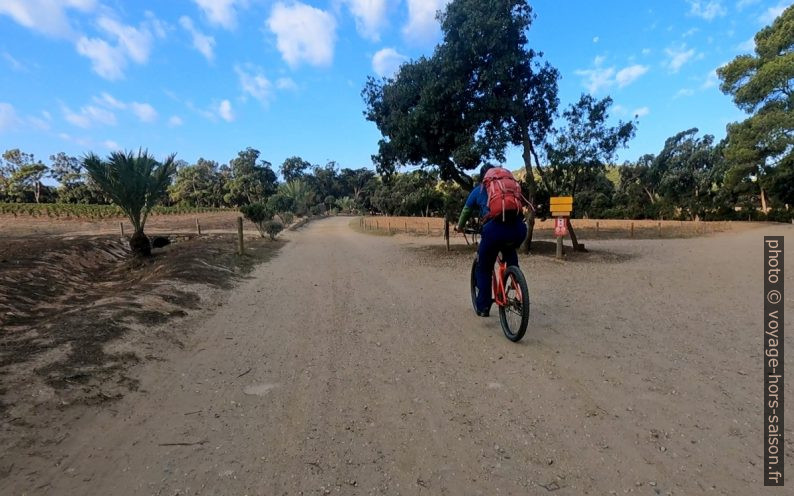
{"points": [[496, 236]]}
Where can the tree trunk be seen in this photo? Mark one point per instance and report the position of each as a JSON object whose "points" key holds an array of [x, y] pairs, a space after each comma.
{"points": [[764, 204], [532, 186], [572, 234], [37, 193], [140, 245]]}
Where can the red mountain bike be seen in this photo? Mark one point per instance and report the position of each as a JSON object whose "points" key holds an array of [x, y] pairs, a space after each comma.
{"points": [[510, 293]]}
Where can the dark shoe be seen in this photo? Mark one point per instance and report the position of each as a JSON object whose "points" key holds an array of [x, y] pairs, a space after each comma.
{"points": [[484, 313]]}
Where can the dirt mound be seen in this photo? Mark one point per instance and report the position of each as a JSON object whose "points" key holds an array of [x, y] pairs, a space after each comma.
{"points": [[62, 300]]}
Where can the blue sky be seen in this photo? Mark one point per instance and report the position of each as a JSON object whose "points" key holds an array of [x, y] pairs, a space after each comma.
{"points": [[207, 78]]}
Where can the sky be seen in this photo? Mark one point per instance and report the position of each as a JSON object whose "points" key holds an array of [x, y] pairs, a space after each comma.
{"points": [[208, 78]]}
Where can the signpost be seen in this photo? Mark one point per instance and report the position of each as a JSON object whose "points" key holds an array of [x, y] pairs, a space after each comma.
{"points": [[561, 208]]}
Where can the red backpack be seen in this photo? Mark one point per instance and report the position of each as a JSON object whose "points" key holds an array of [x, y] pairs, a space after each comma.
{"points": [[504, 194]]}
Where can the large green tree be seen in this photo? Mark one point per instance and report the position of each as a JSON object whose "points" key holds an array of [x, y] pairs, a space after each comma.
{"points": [[250, 180], [21, 176], [482, 90], [762, 84], [578, 152], [198, 185], [294, 168]]}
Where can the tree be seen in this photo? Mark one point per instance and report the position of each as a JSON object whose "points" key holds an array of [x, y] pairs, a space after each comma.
{"points": [[198, 185], [21, 176], [74, 184], [685, 168], [135, 183], [579, 152], [262, 217], [424, 121], [301, 195], [482, 90], [356, 182], [294, 168], [249, 181], [762, 85]]}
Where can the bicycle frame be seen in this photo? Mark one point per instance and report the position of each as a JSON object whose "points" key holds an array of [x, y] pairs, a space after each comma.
{"points": [[497, 282]]}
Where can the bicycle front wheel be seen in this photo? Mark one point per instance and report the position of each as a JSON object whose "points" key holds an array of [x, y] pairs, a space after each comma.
{"points": [[514, 316]]}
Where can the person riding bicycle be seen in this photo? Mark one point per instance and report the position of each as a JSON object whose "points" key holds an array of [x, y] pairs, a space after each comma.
{"points": [[499, 234]]}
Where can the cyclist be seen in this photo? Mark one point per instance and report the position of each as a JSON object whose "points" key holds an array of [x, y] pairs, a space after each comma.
{"points": [[501, 233]]}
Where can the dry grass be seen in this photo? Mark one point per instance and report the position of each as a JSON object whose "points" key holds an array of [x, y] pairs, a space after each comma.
{"points": [[584, 228]]}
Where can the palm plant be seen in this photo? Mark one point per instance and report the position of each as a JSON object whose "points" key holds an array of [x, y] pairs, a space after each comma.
{"points": [[135, 183], [301, 194]]}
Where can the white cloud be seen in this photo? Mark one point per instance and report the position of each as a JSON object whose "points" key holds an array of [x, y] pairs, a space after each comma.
{"points": [[741, 4], [303, 33], [205, 44], [110, 60], [286, 84], [620, 110], [422, 26], [595, 39], [598, 77], [678, 57], [706, 10], [626, 76], [175, 121], [135, 43], [712, 80], [89, 116], [386, 62], [45, 16], [108, 101], [221, 12], [14, 64], [370, 16], [255, 84], [684, 92], [144, 111], [225, 111], [41, 123], [641, 112], [772, 13], [747, 46], [8, 117], [111, 145], [646, 51]]}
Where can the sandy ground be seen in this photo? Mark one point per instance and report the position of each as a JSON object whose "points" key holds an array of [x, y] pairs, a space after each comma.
{"points": [[353, 364]]}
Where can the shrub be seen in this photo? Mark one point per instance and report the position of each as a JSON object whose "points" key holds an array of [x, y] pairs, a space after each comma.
{"points": [[261, 216], [287, 217], [272, 228], [779, 215]]}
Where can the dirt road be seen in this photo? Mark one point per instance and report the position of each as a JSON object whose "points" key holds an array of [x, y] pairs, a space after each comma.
{"points": [[353, 364]]}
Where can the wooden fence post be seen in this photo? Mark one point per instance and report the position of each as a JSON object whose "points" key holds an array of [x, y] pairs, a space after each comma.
{"points": [[240, 242], [660, 229], [428, 227], [198, 227], [121, 226], [559, 246], [632, 229], [446, 230], [596, 229]]}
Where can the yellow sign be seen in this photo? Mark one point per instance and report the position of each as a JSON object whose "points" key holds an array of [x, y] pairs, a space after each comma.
{"points": [[561, 205], [562, 200]]}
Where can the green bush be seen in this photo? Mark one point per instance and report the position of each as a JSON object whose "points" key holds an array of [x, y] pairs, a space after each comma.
{"points": [[779, 215], [261, 216], [272, 228]]}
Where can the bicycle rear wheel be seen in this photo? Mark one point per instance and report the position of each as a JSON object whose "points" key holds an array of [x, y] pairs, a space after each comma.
{"points": [[515, 315], [474, 290]]}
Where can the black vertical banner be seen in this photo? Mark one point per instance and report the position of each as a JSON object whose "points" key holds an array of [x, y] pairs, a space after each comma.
{"points": [[774, 427]]}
